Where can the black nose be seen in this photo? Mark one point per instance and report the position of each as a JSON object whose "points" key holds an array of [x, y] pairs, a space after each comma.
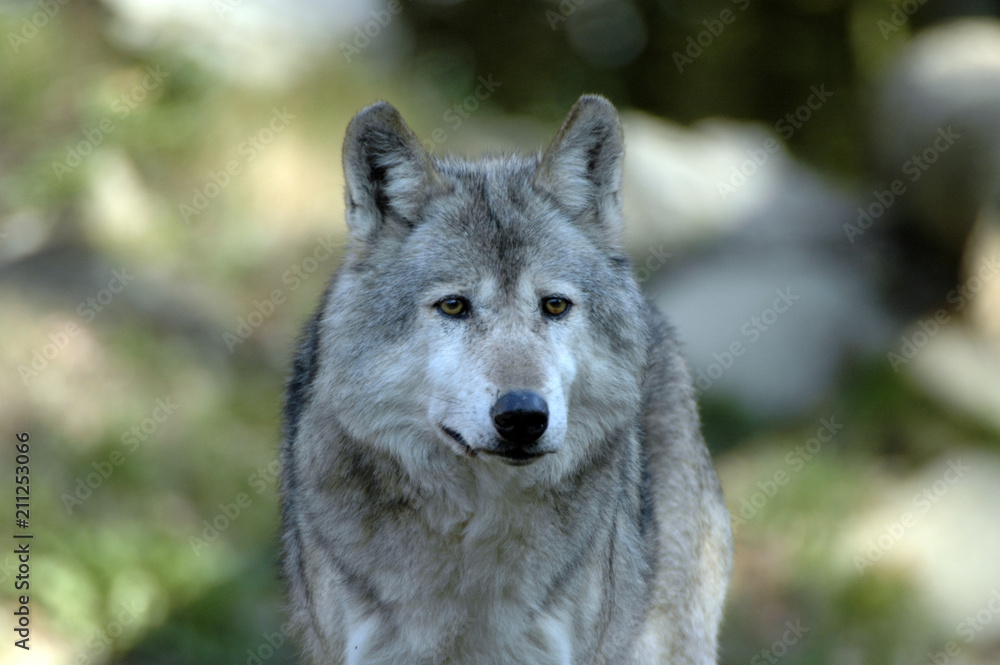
{"points": [[520, 416]]}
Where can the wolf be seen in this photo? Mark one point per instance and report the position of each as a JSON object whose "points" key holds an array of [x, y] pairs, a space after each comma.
{"points": [[491, 449]]}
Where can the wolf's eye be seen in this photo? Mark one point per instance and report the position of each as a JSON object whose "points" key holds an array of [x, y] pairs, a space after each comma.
{"points": [[453, 306], [555, 306]]}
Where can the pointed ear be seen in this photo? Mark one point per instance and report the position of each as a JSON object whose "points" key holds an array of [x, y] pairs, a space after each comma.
{"points": [[582, 167], [389, 175]]}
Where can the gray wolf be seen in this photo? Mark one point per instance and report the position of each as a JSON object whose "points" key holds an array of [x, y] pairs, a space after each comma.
{"points": [[491, 447]]}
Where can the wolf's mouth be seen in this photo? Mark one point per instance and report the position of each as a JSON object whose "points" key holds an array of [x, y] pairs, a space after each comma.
{"points": [[516, 457], [457, 438], [511, 456]]}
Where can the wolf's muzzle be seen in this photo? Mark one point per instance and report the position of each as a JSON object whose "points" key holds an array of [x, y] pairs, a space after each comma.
{"points": [[520, 417]]}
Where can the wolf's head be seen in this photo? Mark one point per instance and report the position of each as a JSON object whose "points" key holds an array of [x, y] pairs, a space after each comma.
{"points": [[485, 309]]}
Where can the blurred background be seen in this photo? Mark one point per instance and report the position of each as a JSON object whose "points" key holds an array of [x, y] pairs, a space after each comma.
{"points": [[812, 189]]}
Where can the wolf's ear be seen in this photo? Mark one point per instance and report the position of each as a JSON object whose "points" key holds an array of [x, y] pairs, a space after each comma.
{"points": [[582, 167], [389, 174]]}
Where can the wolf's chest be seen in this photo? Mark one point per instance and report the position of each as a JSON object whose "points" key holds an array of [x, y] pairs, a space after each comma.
{"points": [[484, 550], [471, 591], [501, 632]]}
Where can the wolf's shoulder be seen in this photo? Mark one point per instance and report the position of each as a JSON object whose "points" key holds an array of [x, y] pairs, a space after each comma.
{"points": [[669, 404], [663, 341]]}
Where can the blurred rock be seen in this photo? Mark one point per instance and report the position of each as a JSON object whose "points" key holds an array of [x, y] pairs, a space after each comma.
{"points": [[983, 250], [258, 42], [722, 220], [961, 369], [946, 81], [673, 177], [22, 233], [766, 291], [941, 528]]}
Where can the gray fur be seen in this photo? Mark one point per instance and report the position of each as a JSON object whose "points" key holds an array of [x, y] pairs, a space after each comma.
{"points": [[407, 544]]}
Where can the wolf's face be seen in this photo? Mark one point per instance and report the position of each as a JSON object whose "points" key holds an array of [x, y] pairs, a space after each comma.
{"points": [[485, 309]]}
